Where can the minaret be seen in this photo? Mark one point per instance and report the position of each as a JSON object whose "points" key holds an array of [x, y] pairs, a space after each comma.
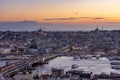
{"points": [[102, 28], [43, 28]]}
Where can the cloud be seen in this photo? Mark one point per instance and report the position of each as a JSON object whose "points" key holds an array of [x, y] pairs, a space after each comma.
{"points": [[69, 18], [74, 18], [99, 18], [94, 18], [84, 17]]}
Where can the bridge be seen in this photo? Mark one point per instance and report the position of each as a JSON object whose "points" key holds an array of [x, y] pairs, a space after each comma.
{"points": [[12, 69]]}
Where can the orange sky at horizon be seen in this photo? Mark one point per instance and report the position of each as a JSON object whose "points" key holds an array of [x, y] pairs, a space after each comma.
{"points": [[60, 11]]}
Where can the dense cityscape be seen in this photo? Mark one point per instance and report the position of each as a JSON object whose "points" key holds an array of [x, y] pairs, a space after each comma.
{"points": [[24, 51], [92, 42], [59, 40]]}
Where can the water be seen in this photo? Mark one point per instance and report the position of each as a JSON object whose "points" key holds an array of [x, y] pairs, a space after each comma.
{"points": [[59, 27], [97, 66]]}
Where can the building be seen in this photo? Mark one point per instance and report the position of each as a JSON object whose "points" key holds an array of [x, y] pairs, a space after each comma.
{"points": [[5, 50], [57, 72], [33, 48]]}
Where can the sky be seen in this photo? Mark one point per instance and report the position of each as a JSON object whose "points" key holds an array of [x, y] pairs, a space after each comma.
{"points": [[60, 11]]}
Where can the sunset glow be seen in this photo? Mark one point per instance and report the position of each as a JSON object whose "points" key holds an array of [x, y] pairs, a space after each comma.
{"points": [[75, 11]]}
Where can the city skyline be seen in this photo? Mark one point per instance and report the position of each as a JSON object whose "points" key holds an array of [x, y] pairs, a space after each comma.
{"points": [[60, 11]]}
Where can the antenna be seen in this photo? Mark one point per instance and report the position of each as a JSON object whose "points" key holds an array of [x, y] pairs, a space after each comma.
{"points": [[44, 29]]}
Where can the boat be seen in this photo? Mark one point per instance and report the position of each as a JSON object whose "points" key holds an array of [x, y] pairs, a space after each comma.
{"points": [[82, 57], [115, 67], [114, 74], [74, 66], [115, 62], [97, 57], [85, 57], [114, 58], [75, 58]]}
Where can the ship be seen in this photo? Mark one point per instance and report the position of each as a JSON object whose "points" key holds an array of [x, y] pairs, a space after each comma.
{"points": [[114, 58], [115, 62], [75, 58], [115, 67], [115, 74], [74, 66]]}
